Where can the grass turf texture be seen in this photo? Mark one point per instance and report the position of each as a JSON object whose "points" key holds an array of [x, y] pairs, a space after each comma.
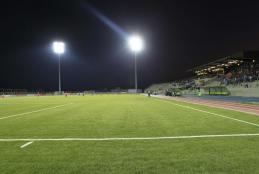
{"points": [[107, 116]]}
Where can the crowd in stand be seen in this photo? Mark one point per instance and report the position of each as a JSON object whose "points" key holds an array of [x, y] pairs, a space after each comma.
{"points": [[239, 79], [231, 78], [186, 84]]}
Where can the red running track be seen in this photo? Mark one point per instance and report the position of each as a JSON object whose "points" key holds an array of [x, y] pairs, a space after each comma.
{"points": [[246, 108]]}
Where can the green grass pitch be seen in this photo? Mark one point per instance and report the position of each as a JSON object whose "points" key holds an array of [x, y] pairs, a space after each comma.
{"points": [[123, 116]]}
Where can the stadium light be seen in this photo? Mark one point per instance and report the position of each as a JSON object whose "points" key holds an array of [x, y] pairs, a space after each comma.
{"points": [[59, 48], [136, 45]]}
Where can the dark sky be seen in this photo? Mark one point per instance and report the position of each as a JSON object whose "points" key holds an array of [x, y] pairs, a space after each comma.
{"points": [[178, 35]]}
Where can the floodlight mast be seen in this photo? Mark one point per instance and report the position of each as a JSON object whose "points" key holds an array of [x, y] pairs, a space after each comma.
{"points": [[136, 45], [136, 73], [59, 75], [59, 48]]}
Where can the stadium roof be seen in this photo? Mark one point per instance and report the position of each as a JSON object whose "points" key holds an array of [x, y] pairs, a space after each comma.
{"points": [[226, 62]]}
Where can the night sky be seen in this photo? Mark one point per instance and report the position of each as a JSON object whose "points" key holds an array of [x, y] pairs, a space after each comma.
{"points": [[178, 35]]}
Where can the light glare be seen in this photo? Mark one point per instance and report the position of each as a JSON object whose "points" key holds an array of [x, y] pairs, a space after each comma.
{"points": [[59, 47], [136, 43]]}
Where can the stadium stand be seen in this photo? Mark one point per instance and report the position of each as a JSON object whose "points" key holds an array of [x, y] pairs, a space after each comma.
{"points": [[235, 75]]}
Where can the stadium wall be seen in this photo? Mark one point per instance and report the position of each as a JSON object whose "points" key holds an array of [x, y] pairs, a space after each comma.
{"points": [[244, 92]]}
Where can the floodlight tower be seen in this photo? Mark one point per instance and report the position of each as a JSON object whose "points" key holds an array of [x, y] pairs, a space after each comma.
{"points": [[59, 49], [136, 45]]}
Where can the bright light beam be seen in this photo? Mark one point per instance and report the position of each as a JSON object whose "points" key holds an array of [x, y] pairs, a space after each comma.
{"points": [[112, 25]]}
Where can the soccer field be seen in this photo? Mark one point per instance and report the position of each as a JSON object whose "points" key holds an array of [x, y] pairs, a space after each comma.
{"points": [[124, 134]]}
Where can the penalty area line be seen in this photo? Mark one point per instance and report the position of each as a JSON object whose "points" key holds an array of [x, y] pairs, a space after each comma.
{"points": [[126, 139], [26, 144], [31, 112]]}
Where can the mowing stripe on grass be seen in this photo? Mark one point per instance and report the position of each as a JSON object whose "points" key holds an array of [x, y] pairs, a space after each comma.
{"points": [[211, 113], [128, 138], [26, 144], [31, 112]]}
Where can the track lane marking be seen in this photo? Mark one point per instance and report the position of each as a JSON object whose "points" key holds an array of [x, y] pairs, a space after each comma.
{"points": [[31, 112]]}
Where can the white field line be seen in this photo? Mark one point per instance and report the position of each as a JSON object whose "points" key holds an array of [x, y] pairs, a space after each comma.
{"points": [[211, 113], [26, 144], [31, 112], [122, 139]]}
